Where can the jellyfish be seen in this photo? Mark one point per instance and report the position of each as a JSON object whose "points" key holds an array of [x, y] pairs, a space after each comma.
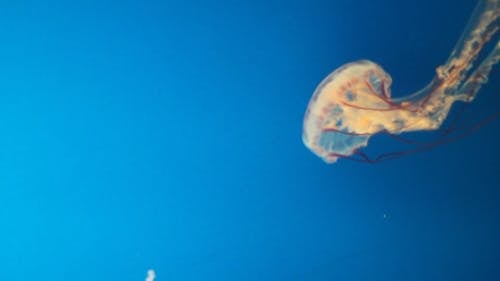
{"points": [[354, 102]]}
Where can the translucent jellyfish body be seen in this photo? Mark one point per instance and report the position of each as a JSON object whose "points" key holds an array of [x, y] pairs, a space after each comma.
{"points": [[354, 102]]}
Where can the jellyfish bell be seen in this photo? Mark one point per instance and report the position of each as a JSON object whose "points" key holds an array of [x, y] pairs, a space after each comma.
{"points": [[327, 124], [354, 102]]}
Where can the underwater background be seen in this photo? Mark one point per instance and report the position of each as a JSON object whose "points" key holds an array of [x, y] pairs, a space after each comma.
{"points": [[166, 135]]}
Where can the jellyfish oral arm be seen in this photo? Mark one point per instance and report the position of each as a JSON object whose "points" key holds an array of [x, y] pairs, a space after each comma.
{"points": [[455, 74]]}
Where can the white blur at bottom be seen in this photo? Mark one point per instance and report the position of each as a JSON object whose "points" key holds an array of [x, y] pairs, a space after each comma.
{"points": [[151, 275]]}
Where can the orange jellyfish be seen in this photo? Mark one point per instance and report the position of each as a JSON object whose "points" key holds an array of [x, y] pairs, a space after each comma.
{"points": [[354, 102]]}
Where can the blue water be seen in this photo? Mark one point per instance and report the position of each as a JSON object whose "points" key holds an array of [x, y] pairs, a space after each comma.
{"points": [[167, 135]]}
